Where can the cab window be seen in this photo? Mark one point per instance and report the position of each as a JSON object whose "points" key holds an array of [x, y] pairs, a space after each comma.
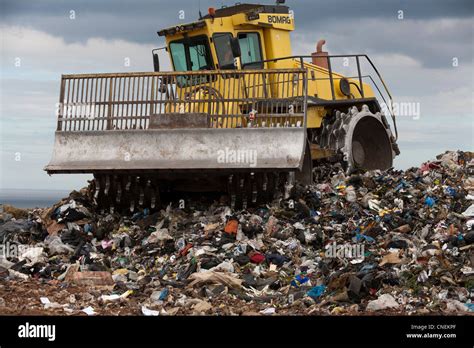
{"points": [[224, 50], [191, 54], [250, 48]]}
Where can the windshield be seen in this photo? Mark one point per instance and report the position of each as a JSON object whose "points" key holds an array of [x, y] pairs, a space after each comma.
{"points": [[250, 47], [224, 51], [191, 54]]}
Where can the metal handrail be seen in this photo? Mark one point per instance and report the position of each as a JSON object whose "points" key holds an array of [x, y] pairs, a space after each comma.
{"points": [[92, 102], [179, 73], [361, 77], [302, 57]]}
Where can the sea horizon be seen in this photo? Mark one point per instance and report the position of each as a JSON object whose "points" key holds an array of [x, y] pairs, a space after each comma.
{"points": [[31, 198]]}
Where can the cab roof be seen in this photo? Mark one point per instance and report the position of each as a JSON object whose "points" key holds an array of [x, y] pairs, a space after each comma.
{"points": [[225, 12], [245, 8]]}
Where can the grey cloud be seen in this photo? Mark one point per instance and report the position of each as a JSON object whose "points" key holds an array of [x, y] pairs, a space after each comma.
{"points": [[432, 42], [139, 20], [350, 26], [352, 21]]}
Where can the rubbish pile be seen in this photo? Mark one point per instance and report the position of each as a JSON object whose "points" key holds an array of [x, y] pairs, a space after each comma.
{"points": [[376, 242]]}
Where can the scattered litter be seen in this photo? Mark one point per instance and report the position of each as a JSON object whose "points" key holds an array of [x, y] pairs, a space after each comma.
{"points": [[150, 312], [385, 301], [115, 297], [381, 240], [89, 311], [268, 311]]}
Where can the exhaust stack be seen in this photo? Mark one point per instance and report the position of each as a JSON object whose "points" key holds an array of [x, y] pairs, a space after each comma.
{"points": [[319, 57]]}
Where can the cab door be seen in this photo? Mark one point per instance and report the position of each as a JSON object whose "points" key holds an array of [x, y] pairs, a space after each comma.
{"points": [[244, 89]]}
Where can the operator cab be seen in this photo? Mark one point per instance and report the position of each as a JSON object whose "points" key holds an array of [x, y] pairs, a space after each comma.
{"points": [[235, 37], [194, 53]]}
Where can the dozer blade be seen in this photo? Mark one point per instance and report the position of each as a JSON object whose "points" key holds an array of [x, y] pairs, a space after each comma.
{"points": [[181, 121], [178, 149]]}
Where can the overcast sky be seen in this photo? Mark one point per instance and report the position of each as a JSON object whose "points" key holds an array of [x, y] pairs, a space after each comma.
{"points": [[426, 57]]}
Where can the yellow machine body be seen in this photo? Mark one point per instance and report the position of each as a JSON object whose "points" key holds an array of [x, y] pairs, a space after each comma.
{"points": [[273, 32], [239, 110]]}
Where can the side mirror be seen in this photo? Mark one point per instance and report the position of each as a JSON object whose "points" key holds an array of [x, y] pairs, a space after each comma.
{"points": [[235, 46], [156, 62]]}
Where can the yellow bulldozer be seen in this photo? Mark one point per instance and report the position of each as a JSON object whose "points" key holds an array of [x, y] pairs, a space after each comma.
{"points": [[239, 112]]}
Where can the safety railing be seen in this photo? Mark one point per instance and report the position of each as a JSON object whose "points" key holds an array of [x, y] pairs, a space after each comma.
{"points": [[212, 99], [384, 92]]}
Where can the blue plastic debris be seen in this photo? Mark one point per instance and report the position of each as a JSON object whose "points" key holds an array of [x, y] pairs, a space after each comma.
{"points": [[299, 279], [88, 228], [470, 306], [316, 292], [430, 202], [451, 191], [360, 237], [163, 294], [401, 185]]}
